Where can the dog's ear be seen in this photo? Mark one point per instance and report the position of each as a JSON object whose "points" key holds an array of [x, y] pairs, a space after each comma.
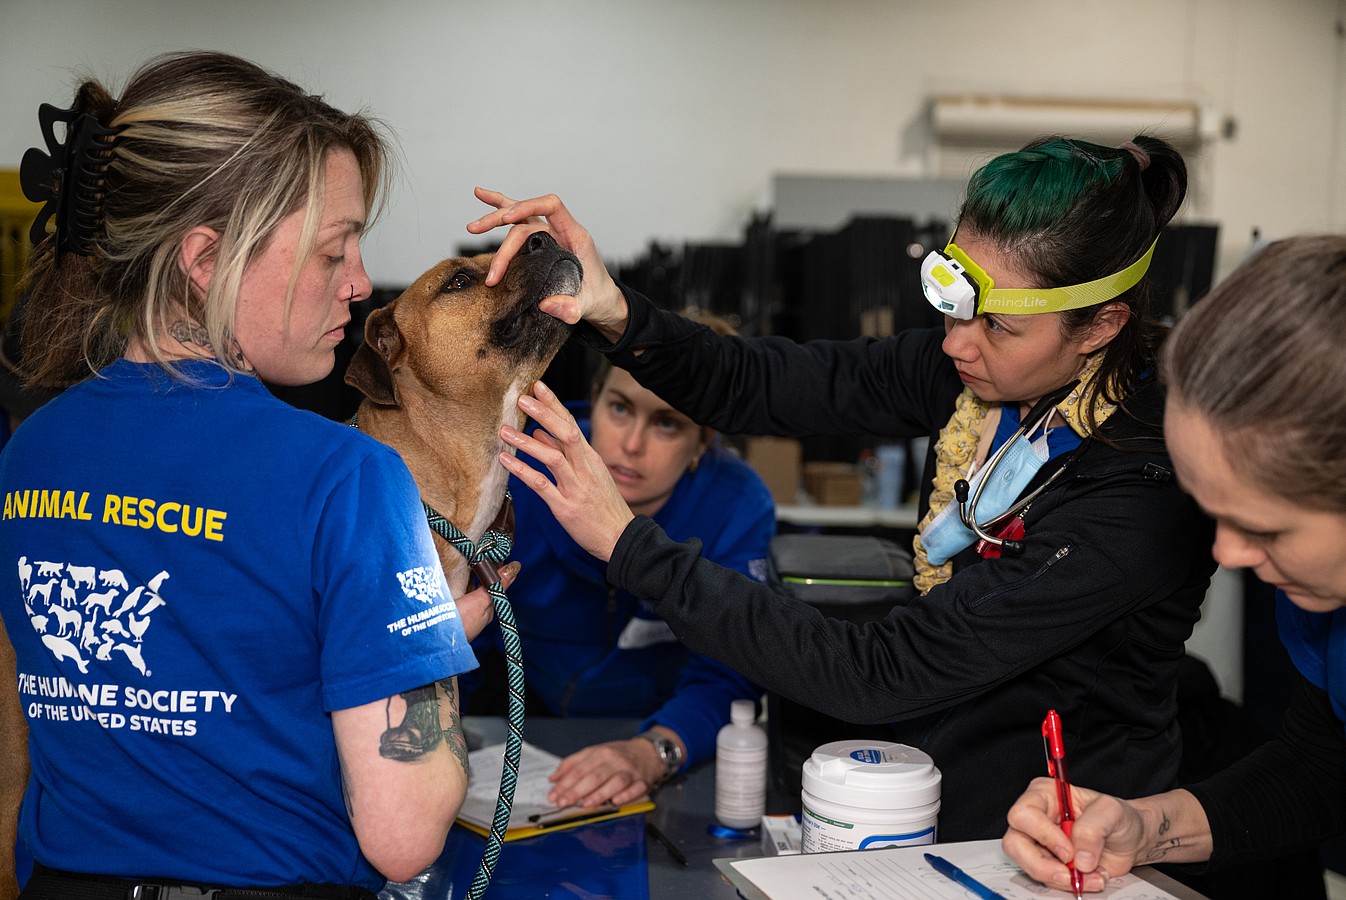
{"points": [[371, 368]]}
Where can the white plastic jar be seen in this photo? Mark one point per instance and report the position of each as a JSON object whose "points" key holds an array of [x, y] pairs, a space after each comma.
{"points": [[861, 795]]}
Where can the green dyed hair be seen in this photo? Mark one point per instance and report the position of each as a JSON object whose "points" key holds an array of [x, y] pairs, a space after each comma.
{"points": [[1069, 212]]}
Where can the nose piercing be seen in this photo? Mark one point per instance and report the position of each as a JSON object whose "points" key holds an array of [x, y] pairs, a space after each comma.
{"points": [[352, 300]]}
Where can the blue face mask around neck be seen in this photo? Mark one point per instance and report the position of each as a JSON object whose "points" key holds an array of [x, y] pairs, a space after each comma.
{"points": [[946, 534]]}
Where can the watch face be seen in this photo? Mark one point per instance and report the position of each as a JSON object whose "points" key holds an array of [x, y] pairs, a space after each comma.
{"points": [[667, 750]]}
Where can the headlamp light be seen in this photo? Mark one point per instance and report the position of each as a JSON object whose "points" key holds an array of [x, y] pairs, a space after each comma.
{"points": [[958, 287], [947, 286]]}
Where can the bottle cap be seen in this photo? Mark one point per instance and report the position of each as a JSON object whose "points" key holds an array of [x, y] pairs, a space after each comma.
{"points": [[742, 712]]}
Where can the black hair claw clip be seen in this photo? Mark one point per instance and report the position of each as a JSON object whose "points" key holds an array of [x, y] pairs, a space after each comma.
{"points": [[70, 179]]}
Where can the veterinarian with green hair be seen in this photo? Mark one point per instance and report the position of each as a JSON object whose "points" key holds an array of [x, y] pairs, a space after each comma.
{"points": [[1078, 600]]}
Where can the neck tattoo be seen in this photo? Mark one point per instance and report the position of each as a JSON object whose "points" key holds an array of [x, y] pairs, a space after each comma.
{"points": [[190, 333]]}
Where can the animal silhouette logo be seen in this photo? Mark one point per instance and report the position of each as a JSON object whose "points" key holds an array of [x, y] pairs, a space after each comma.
{"points": [[82, 609]]}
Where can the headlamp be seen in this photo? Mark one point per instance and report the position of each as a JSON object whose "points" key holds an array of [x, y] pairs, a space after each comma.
{"points": [[948, 286], [958, 287]]}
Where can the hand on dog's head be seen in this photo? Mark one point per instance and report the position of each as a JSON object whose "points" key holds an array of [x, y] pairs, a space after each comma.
{"points": [[450, 334]]}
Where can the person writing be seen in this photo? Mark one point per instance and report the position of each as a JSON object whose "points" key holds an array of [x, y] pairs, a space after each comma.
{"points": [[1254, 419], [202, 577], [1086, 610], [597, 650]]}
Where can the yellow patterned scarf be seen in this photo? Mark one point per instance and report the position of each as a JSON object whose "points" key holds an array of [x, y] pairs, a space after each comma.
{"points": [[956, 450]]}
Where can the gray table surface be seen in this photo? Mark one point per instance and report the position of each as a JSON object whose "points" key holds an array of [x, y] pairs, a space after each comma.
{"points": [[684, 808]]}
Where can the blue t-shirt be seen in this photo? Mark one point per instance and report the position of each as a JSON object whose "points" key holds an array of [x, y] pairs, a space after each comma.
{"points": [[200, 574], [1060, 437], [1316, 643]]}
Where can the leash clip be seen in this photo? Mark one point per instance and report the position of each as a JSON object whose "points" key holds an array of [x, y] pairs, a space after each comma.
{"points": [[486, 573]]}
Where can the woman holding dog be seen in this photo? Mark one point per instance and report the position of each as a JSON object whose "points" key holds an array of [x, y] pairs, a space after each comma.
{"points": [[595, 650], [207, 583], [1256, 381], [1044, 285]]}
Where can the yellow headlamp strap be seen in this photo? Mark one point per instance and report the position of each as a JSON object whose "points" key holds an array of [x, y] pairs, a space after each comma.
{"points": [[1024, 301]]}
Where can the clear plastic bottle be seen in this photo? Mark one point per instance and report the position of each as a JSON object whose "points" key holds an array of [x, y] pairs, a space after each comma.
{"points": [[740, 768]]}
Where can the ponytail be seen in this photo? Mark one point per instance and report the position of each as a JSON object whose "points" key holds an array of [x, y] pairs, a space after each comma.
{"points": [[66, 298]]}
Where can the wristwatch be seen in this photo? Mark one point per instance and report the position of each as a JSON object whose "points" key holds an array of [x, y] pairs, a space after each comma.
{"points": [[670, 754]]}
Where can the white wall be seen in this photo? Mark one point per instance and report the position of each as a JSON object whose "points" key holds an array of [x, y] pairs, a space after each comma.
{"points": [[668, 120], [1218, 637]]}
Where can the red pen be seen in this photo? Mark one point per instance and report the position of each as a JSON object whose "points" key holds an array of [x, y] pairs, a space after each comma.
{"points": [[1056, 767]]}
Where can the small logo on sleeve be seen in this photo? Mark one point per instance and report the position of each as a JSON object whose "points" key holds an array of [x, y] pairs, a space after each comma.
{"points": [[423, 583]]}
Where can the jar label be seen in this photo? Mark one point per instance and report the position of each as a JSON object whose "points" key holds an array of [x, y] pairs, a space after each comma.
{"points": [[808, 813]]}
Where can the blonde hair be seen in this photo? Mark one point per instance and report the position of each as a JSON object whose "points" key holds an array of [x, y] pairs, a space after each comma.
{"points": [[1261, 360], [206, 139]]}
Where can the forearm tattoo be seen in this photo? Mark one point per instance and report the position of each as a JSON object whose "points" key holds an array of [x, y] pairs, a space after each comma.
{"points": [[419, 731], [455, 736]]}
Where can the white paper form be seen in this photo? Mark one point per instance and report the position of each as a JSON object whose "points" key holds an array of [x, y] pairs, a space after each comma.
{"points": [[903, 872], [530, 793]]}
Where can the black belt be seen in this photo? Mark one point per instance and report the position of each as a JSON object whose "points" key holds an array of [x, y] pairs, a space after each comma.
{"points": [[53, 884]]}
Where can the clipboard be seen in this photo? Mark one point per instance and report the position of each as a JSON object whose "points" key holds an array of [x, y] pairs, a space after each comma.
{"points": [[530, 795]]}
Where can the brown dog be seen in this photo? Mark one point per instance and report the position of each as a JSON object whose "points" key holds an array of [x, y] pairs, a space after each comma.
{"points": [[442, 368]]}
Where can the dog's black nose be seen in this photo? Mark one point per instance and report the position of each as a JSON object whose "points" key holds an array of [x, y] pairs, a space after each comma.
{"points": [[538, 240]]}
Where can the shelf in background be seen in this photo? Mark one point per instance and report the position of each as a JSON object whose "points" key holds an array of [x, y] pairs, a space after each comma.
{"points": [[848, 516]]}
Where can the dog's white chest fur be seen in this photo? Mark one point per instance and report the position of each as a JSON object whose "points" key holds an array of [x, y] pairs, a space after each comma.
{"points": [[496, 478]]}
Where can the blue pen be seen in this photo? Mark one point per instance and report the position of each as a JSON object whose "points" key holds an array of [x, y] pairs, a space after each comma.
{"points": [[944, 867]]}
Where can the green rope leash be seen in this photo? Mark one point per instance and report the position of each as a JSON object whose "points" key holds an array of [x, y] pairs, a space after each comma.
{"points": [[482, 558], [494, 548]]}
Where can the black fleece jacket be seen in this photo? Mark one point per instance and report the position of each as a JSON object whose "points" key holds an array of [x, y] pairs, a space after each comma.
{"points": [[1289, 794], [1090, 620]]}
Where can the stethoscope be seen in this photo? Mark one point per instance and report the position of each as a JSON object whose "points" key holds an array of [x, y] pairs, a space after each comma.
{"points": [[1037, 417]]}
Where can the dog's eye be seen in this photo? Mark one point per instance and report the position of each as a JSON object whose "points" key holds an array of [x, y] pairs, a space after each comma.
{"points": [[461, 281]]}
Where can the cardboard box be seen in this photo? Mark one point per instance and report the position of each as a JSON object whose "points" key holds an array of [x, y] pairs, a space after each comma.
{"points": [[777, 461], [834, 483]]}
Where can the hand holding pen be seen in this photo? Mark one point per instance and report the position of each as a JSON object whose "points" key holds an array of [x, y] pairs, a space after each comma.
{"points": [[1109, 836], [1055, 745]]}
